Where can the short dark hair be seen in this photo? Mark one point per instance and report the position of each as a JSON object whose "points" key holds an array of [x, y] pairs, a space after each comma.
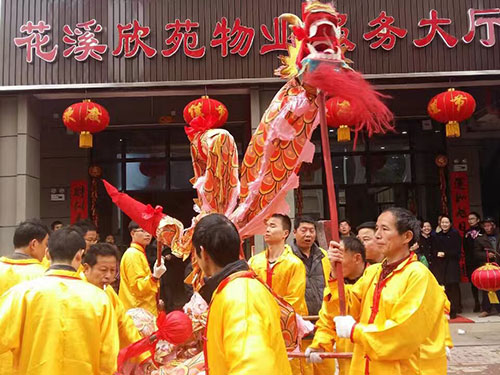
{"points": [[54, 223], [219, 237], [303, 219], [65, 243], [405, 221], [442, 216], [26, 231], [354, 245], [99, 249], [423, 221], [86, 226], [286, 223], [133, 226], [475, 214], [367, 225], [345, 221]]}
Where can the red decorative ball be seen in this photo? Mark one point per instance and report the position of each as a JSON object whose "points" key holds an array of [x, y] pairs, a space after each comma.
{"points": [[86, 116], [206, 107], [95, 171], [452, 105], [487, 277], [441, 161]]}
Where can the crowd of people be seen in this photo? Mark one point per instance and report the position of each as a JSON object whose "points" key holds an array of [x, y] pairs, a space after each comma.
{"points": [[63, 311]]}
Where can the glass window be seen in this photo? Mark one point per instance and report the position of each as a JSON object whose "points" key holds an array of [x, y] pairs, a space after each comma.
{"points": [[179, 144], [312, 203], [349, 169], [390, 169], [343, 147], [107, 146], [146, 175], [390, 141], [312, 173], [149, 144], [181, 172], [112, 172]]}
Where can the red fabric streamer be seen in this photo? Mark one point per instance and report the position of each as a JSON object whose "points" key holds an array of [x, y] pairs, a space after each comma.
{"points": [[176, 328], [371, 114], [201, 124]]}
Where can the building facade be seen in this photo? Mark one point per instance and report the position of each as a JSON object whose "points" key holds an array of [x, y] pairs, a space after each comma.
{"points": [[145, 60]]}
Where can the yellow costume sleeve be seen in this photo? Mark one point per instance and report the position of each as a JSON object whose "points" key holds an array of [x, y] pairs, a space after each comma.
{"points": [[12, 311], [448, 341], [140, 279], [109, 343], [403, 332], [246, 343]]}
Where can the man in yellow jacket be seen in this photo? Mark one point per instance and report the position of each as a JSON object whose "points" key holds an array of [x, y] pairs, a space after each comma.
{"points": [[99, 266], [138, 285], [59, 324], [278, 266], [318, 268], [395, 310], [243, 333], [30, 243]]}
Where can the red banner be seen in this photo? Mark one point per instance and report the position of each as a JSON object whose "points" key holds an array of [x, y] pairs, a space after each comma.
{"points": [[79, 205], [459, 187]]}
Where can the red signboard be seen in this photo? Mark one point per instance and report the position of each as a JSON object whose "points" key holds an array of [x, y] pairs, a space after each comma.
{"points": [[459, 186], [79, 205]]}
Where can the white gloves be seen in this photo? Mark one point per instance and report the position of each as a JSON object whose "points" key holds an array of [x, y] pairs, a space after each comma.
{"points": [[344, 325], [448, 353], [158, 271], [312, 355]]}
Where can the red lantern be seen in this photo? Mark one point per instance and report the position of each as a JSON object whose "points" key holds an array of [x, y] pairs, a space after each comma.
{"points": [[86, 118], [339, 115], [452, 107], [203, 114], [487, 278]]}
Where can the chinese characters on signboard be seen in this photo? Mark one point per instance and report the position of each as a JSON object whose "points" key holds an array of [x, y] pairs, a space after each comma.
{"points": [[82, 42], [459, 186], [78, 193]]}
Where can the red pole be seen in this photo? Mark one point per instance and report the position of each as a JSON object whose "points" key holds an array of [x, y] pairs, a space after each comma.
{"points": [[332, 201]]}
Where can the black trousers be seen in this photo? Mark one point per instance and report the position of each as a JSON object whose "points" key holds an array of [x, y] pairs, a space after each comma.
{"points": [[486, 305], [453, 294]]}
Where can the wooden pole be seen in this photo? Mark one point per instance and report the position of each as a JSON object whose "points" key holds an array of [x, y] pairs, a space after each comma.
{"points": [[332, 201]]}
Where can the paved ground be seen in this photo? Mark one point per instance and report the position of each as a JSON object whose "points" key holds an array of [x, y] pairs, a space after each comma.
{"points": [[477, 346]]}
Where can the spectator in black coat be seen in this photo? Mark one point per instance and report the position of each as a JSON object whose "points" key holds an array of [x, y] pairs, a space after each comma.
{"points": [[425, 241], [470, 235], [446, 251]]}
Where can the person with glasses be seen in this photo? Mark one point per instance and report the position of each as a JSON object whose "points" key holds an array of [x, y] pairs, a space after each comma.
{"points": [[138, 285]]}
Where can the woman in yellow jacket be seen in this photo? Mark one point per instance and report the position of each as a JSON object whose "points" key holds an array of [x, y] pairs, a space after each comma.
{"points": [[396, 309], [243, 333]]}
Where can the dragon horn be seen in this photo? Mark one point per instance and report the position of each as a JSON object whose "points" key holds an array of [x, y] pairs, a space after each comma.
{"points": [[292, 19]]}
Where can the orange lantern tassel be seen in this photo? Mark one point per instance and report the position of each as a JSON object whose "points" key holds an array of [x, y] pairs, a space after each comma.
{"points": [[343, 133], [492, 296], [452, 129], [86, 140]]}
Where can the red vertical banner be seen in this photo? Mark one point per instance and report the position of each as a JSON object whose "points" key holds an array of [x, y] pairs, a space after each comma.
{"points": [[459, 187], [79, 205]]}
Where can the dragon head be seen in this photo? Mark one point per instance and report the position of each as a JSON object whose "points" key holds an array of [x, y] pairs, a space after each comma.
{"points": [[316, 38]]}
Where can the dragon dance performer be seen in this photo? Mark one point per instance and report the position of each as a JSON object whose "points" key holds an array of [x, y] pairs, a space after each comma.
{"points": [[99, 269], [59, 324], [138, 285], [396, 308], [30, 243], [243, 334]]}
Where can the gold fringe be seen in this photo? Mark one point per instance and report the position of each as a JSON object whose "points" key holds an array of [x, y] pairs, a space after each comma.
{"points": [[85, 140], [343, 133], [492, 296], [453, 129]]}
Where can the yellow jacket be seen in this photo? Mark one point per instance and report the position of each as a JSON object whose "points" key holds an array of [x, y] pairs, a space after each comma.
{"points": [[400, 327], [59, 324], [138, 288], [243, 331], [287, 278], [13, 272]]}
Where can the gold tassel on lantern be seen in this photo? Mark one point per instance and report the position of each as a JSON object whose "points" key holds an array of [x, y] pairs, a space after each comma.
{"points": [[343, 133], [492, 296], [453, 129], [85, 140]]}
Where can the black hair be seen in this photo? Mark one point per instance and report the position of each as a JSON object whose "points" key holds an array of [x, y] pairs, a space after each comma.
{"points": [[423, 221], [32, 229], [303, 219], [405, 221], [354, 245], [86, 226], [133, 226], [445, 216], [100, 249], [65, 243], [286, 223], [367, 225], [345, 221], [475, 214], [219, 237], [54, 223]]}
